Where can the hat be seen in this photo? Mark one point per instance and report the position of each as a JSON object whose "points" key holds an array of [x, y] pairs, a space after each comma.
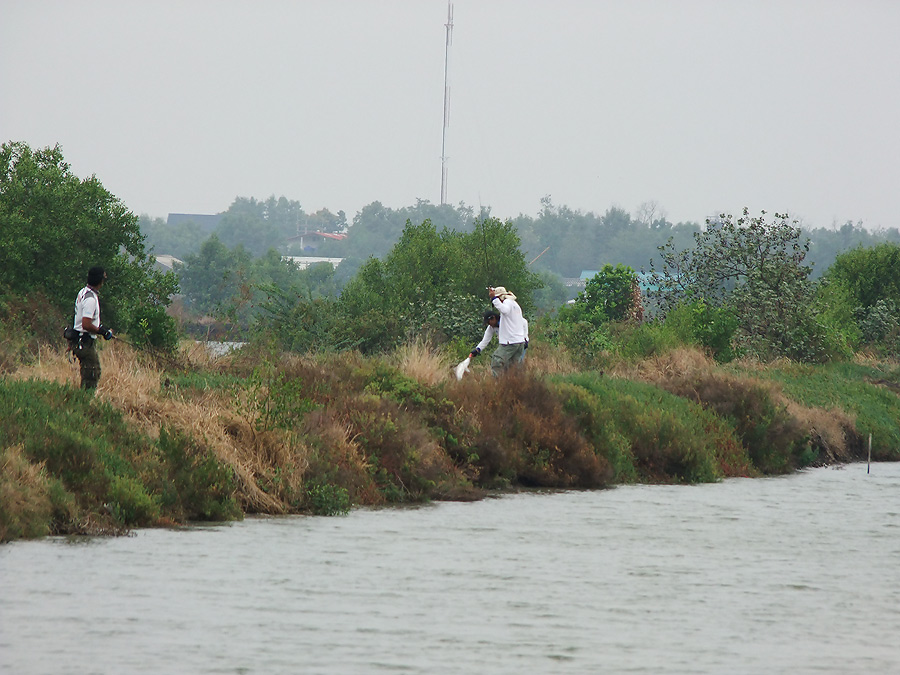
{"points": [[502, 293]]}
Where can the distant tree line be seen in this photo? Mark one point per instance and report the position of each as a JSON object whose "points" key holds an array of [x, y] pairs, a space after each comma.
{"points": [[736, 286], [559, 241]]}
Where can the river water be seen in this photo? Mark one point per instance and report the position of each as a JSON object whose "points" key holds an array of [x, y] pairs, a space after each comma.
{"points": [[795, 574]]}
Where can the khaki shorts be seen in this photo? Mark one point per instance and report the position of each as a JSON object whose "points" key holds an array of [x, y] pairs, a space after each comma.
{"points": [[506, 356]]}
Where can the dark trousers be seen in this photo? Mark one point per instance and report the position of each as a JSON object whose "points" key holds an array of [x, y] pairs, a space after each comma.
{"points": [[86, 353]]}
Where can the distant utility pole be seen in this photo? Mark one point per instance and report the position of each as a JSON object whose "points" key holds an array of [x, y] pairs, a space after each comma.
{"points": [[449, 27]]}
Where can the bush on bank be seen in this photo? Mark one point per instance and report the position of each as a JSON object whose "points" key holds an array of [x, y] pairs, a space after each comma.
{"points": [[75, 465], [864, 395], [271, 433]]}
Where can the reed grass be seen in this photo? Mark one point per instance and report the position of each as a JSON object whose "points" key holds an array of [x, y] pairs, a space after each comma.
{"points": [[424, 363]]}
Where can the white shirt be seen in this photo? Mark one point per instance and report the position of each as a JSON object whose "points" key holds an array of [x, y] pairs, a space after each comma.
{"points": [[87, 304], [513, 329], [489, 333]]}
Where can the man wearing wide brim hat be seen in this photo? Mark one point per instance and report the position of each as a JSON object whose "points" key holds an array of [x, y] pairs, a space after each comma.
{"points": [[511, 331]]}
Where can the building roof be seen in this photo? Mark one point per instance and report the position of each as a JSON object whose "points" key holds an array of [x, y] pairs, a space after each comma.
{"points": [[304, 261], [328, 235], [167, 262]]}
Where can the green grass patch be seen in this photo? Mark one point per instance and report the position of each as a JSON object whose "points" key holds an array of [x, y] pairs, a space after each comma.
{"points": [[649, 434], [96, 473], [850, 387]]}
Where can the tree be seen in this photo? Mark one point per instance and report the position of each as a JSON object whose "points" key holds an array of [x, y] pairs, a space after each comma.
{"points": [[868, 274], [179, 240], [433, 282], [55, 226], [376, 229], [584, 325], [255, 225], [552, 295], [862, 289], [212, 280], [609, 293], [757, 269]]}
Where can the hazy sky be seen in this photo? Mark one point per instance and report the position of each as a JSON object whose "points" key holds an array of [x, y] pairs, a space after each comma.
{"points": [[699, 105]]}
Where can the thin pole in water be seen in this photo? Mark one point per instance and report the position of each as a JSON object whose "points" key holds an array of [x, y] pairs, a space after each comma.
{"points": [[869, 464]]}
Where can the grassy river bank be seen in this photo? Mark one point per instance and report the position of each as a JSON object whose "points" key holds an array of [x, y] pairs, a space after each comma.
{"points": [[203, 438]]}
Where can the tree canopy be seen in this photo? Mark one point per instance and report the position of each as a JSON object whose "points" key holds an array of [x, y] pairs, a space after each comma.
{"points": [[757, 270], [54, 226], [861, 292], [432, 283]]}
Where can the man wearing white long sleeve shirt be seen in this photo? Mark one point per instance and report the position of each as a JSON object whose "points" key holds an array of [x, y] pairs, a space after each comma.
{"points": [[511, 333], [492, 323], [492, 327]]}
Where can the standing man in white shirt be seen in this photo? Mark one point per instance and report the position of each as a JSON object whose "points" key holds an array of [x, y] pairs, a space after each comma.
{"points": [[87, 323], [511, 332]]}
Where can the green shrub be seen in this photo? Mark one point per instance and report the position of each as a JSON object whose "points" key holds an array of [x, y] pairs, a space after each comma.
{"points": [[325, 499], [607, 296], [669, 438], [879, 323], [774, 440], [129, 502], [196, 485], [150, 326], [598, 420], [635, 342], [590, 346], [714, 328]]}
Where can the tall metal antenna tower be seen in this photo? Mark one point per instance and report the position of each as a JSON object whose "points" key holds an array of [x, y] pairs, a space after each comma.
{"points": [[449, 27]]}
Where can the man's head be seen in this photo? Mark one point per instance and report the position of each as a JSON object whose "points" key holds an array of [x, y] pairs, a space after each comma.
{"points": [[491, 318], [96, 276]]}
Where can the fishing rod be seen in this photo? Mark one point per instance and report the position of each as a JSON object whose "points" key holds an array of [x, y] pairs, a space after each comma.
{"points": [[125, 342], [151, 351]]}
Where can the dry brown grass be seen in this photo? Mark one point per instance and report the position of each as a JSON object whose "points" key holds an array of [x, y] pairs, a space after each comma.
{"points": [[53, 365], [338, 451], [24, 497], [424, 363], [196, 355], [520, 430], [133, 386], [831, 431], [544, 358], [677, 363]]}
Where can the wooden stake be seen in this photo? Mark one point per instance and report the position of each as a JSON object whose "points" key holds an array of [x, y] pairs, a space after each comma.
{"points": [[869, 464]]}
